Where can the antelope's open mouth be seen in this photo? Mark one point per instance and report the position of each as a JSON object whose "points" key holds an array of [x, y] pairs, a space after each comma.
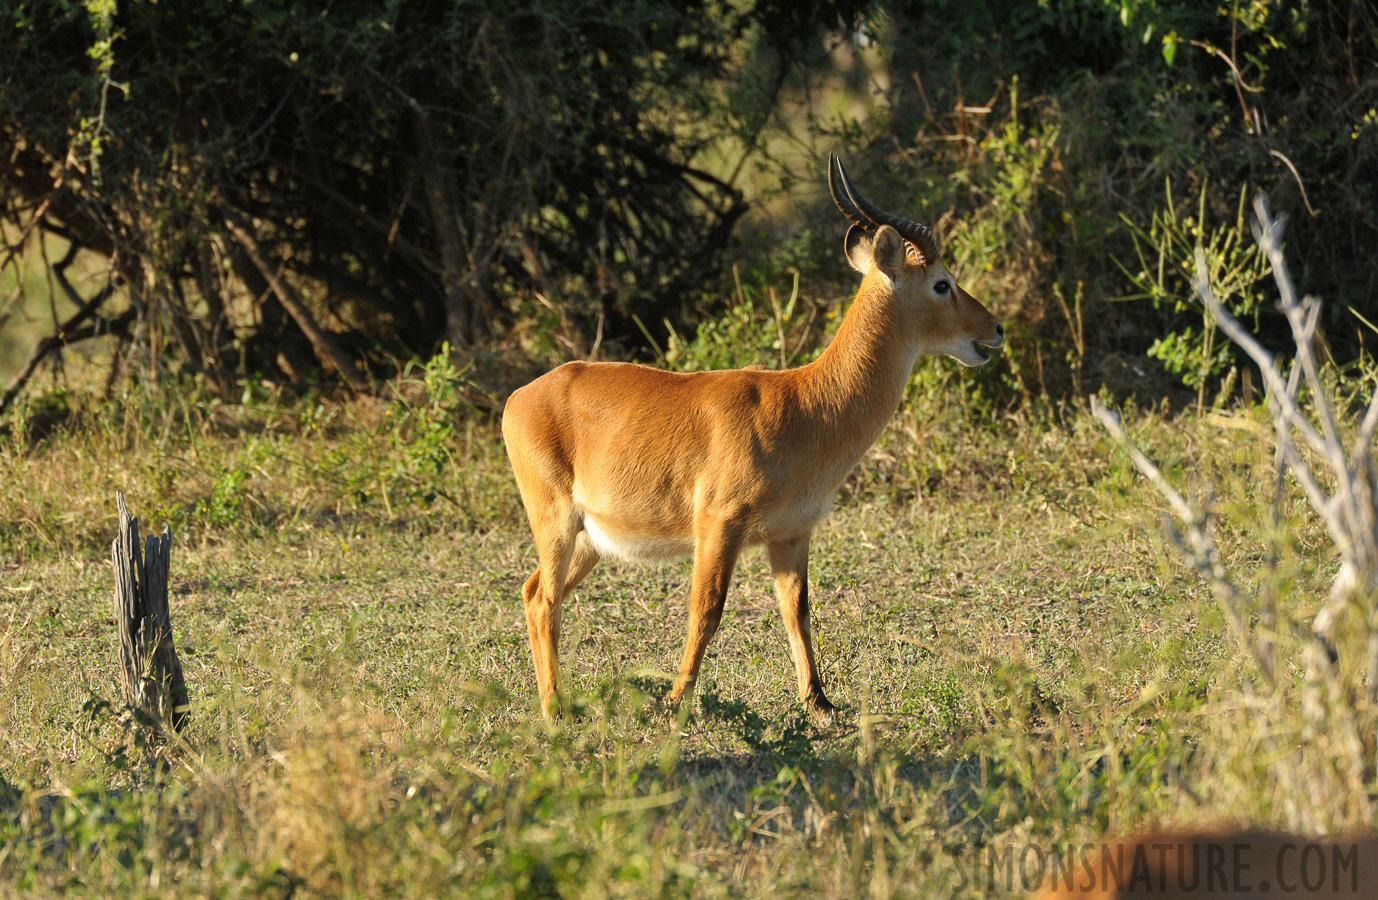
{"points": [[983, 348]]}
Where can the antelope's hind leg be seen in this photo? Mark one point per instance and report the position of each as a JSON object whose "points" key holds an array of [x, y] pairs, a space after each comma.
{"points": [[565, 558]]}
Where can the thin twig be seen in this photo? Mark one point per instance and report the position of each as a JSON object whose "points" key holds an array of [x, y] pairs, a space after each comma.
{"points": [[1196, 544], [1297, 175], [1272, 381], [1111, 421]]}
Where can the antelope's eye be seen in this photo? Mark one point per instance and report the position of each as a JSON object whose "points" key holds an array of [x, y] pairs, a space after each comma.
{"points": [[941, 288]]}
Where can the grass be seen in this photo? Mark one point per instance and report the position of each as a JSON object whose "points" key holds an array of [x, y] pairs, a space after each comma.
{"points": [[1019, 658]]}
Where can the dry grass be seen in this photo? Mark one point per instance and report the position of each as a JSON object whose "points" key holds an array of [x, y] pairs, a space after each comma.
{"points": [[1019, 657]]}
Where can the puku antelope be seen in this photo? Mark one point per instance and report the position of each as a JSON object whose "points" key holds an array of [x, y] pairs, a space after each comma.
{"points": [[631, 462]]}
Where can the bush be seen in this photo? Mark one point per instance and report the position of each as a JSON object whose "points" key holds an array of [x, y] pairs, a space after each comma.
{"points": [[279, 187], [1052, 141]]}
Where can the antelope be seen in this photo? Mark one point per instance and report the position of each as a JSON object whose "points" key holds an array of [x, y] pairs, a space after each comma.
{"points": [[632, 462]]}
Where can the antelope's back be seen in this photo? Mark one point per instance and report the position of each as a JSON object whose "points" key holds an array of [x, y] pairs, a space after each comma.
{"points": [[620, 424]]}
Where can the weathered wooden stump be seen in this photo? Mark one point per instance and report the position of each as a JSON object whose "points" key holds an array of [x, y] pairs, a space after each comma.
{"points": [[150, 672]]}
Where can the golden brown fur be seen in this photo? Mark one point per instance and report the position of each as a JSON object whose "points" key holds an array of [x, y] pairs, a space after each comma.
{"points": [[1221, 864], [628, 460]]}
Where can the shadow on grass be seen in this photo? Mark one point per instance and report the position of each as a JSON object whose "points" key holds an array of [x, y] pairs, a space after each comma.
{"points": [[789, 740]]}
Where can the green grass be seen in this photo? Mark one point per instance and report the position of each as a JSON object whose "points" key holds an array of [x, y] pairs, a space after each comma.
{"points": [[1019, 658]]}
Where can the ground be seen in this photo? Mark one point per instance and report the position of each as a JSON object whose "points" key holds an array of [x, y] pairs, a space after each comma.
{"points": [[1020, 660]]}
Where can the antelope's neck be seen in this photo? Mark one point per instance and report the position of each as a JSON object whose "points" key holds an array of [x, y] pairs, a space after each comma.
{"points": [[855, 386]]}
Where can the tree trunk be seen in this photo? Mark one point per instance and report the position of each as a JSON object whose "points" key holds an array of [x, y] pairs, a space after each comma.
{"points": [[455, 275], [323, 342]]}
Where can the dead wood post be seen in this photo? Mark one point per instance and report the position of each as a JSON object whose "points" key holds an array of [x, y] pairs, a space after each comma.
{"points": [[150, 672]]}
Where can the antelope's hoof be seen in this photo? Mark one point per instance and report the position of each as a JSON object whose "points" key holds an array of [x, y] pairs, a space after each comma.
{"points": [[819, 707], [555, 709]]}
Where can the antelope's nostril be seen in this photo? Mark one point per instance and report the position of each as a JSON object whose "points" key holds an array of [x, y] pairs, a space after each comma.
{"points": [[999, 329]]}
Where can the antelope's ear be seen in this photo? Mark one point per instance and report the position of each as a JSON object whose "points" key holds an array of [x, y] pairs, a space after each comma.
{"points": [[858, 248], [887, 251]]}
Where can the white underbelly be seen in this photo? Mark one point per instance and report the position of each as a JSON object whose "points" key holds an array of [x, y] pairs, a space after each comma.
{"points": [[638, 547]]}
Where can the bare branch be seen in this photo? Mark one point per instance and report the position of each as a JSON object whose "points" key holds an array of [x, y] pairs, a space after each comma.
{"points": [[65, 337], [1366, 429], [1196, 543], [1303, 316], [1111, 421], [68, 332], [321, 340], [1237, 333]]}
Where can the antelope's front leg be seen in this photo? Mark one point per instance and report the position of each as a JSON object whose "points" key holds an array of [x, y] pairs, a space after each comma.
{"points": [[715, 556], [789, 561]]}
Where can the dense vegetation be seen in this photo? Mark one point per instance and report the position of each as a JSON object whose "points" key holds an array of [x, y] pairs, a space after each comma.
{"points": [[279, 186], [1123, 134], [279, 189]]}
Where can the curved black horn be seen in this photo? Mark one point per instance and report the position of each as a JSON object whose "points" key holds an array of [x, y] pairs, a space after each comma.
{"points": [[844, 203], [919, 235]]}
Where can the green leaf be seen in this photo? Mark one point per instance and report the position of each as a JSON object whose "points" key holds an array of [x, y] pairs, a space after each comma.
{"points": [[1170, 42]]}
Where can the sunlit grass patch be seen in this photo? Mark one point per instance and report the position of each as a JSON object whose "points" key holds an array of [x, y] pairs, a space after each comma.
{"points": [[1017, 656]]}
